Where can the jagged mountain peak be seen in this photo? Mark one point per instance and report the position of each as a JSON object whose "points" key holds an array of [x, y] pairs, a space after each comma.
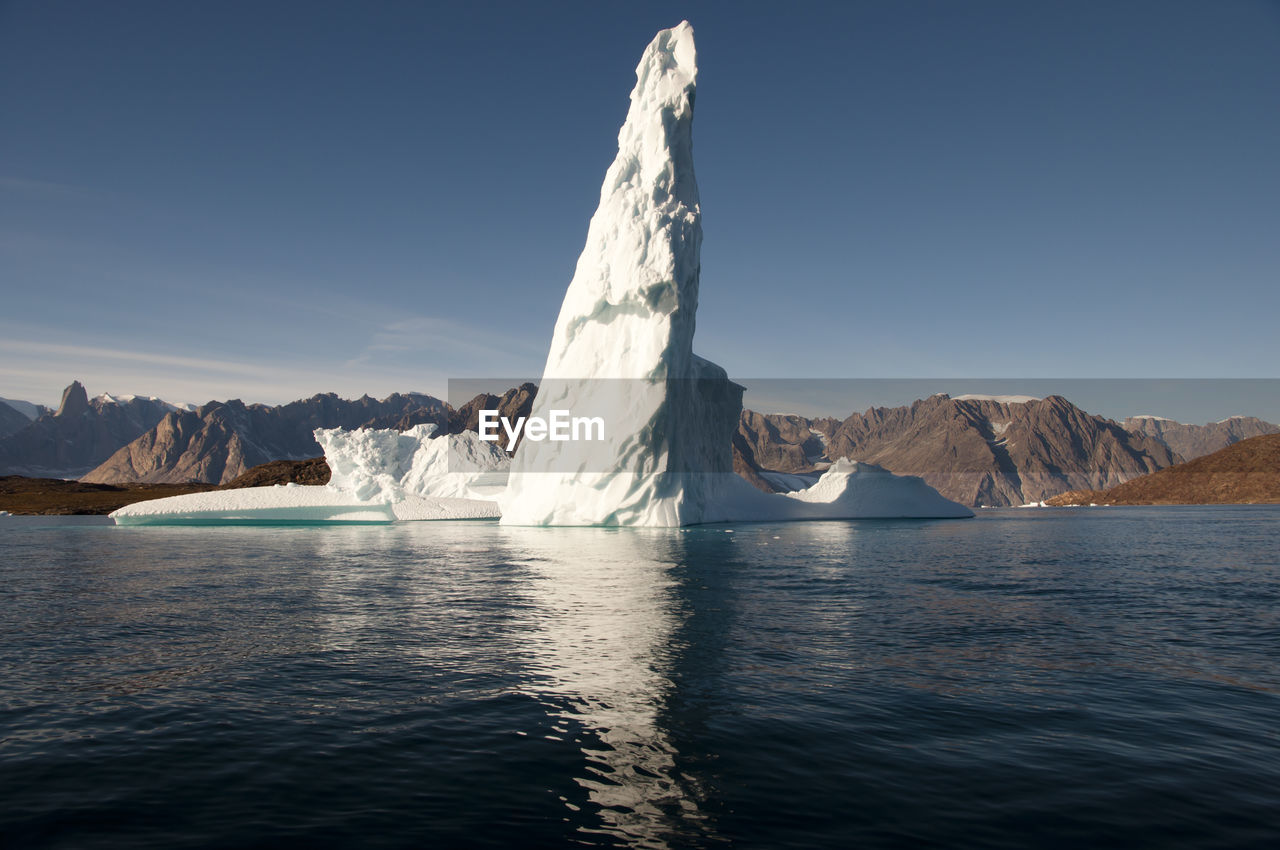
{"points": [[75, 401], [978, 451]]}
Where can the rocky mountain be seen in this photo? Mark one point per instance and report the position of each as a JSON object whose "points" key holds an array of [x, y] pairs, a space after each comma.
{"points": [[511, 405], [11, 420], [1245, 472], [1193, 441], [81, 434], [31, 411], [217, 442], [976, 451]]}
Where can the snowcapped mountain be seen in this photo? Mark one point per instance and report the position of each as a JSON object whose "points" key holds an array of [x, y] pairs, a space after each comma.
{"points": [[107, 398], [81, 434]]}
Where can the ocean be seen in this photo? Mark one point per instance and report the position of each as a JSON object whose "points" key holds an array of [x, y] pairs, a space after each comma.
{"points": [[1102, 677]]}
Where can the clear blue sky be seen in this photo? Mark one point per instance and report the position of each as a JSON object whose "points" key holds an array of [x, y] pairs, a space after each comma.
{"points": [[266, 200]]}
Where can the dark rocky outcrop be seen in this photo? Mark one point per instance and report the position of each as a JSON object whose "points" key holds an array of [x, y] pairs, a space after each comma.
{"points": [[312, 471], [514, 403], [745, 465], [75, 401]]}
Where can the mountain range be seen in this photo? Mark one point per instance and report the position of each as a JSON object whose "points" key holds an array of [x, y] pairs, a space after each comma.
{"points": [[79, 435], [11, 420], [1245, 472], [1193, 441], [977, 450], [221, 440]]}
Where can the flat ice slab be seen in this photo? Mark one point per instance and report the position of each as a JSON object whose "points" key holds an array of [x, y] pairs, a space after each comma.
{"points": [[293, 503]]}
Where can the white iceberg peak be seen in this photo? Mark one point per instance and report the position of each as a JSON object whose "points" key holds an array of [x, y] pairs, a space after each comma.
{"points": [[640, 264], [629, 314]]}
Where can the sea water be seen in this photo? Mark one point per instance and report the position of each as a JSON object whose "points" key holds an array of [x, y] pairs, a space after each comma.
{"points": [[1041, 677]]}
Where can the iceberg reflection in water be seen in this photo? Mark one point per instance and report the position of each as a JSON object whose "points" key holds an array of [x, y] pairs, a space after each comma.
{"points": [[601, 645]]}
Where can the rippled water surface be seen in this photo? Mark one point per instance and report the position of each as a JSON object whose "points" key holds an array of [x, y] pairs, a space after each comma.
{"points": [[1058, 678]]}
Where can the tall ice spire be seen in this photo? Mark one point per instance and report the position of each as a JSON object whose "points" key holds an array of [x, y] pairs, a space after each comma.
{"points": [[623, 344]]}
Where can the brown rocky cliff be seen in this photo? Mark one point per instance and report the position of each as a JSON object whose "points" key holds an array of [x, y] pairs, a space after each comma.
{"points": [[515, 403], [974, 451], [1246, 472], [79, 436], [221, 440], [1193, 441]]}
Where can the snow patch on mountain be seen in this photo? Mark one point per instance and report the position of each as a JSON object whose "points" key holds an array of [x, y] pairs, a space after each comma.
{"points": [[108, 398], [1002, 399]]}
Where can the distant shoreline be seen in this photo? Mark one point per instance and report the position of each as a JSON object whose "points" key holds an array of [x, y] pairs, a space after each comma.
{"points": [[24, 496]]}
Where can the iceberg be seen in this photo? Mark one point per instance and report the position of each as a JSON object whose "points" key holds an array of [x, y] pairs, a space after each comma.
{"points": [[284, 504], [377, 476], [623, 339], [623, 342], [622, 348], [376, 465], [265, 505]]}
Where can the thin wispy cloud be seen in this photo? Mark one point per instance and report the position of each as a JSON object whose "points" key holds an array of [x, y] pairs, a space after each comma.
{"points": [[91, 354], [467, 346], [37, 371]]}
